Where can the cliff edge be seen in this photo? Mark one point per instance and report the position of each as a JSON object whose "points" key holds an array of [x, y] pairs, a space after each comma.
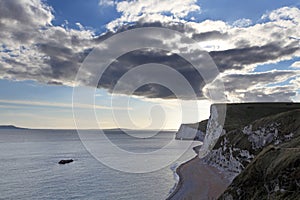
{"points": [[256, 145], [194, 131]]}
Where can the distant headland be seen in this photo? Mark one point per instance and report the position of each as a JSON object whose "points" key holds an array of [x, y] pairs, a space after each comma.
{"points": [[10, 127]]}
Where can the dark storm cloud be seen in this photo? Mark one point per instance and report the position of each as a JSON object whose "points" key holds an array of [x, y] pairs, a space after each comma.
{"points": [[234, 82], [258, 86], [136, 58], [277, 94], [63, 61], [211, 35], [54, 83], [240, 57]]}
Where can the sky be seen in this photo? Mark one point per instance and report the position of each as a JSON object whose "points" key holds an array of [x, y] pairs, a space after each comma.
{"points": [[255, 46]]}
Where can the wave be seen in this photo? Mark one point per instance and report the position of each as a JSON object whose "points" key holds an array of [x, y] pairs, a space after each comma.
{"points": [[174, 167]]}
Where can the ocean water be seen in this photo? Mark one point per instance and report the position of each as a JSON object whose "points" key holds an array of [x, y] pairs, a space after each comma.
{"points": [[29, 167]]}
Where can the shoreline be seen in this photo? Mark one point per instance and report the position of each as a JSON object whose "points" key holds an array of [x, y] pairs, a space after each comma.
{"points": [[198, 180], [180, 182]]}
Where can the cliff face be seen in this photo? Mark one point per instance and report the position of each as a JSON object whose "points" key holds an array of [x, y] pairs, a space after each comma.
{"points": [[257, 147], [215, 128], [236, 149], [186, 132], [225, 118], [192, 131], [274, 172]]}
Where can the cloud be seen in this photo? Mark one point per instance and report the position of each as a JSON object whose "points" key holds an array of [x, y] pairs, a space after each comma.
{"points": [[242, 23], [263, 86], [254, 80], [296, 64], [106, 3], [270, 94], [136, 58], [57, 105], [240, 58], [177, 8], [281, 31], [284, 14], [235, 49], [34, 49], [210, 35], [31, 12], [152, 11]]}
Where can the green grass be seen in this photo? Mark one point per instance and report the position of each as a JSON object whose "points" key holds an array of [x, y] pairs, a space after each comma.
{"points": [[200, 125], [273, 165], [240, 115]]}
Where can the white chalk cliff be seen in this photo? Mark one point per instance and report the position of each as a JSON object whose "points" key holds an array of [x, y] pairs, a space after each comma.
{"points": [[187, 132], [214, 129]]}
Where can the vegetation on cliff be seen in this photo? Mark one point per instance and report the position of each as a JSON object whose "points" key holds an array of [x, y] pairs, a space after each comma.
{"points": [[259, 151], [263, 156]]}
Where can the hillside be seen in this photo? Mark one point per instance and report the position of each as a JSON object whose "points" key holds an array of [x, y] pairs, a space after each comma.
{"points": [[195, 131], [200, 125], [225, 118], [236, 149], [255, 147], [238, 115], [262, 156], [273, 174], [233, 121]]}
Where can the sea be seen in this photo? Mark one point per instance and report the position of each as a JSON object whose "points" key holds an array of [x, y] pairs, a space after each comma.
{"points": [[29, 167]]}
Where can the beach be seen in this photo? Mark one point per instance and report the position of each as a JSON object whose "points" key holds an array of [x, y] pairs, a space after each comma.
{"points": [[198, 181]]}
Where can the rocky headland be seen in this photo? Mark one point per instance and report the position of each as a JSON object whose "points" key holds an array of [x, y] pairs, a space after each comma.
{"points": [[255, 146]]}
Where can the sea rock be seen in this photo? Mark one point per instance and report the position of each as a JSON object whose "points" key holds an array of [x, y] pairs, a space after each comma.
{"points": [[62, 162]]}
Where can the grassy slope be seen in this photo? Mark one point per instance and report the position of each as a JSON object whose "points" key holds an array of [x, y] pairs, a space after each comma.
{"points": [[199, 125], [240, 115], [274, 165]]}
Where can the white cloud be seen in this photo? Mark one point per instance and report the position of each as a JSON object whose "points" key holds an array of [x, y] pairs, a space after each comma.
{"points": [[177, 8], [106, 3], [283, 14], [242, 23], [254, 35], [22, 12], [275, 37], [296, 64], [153, 10], [32, 48], [262, 86], [296, 82]]}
